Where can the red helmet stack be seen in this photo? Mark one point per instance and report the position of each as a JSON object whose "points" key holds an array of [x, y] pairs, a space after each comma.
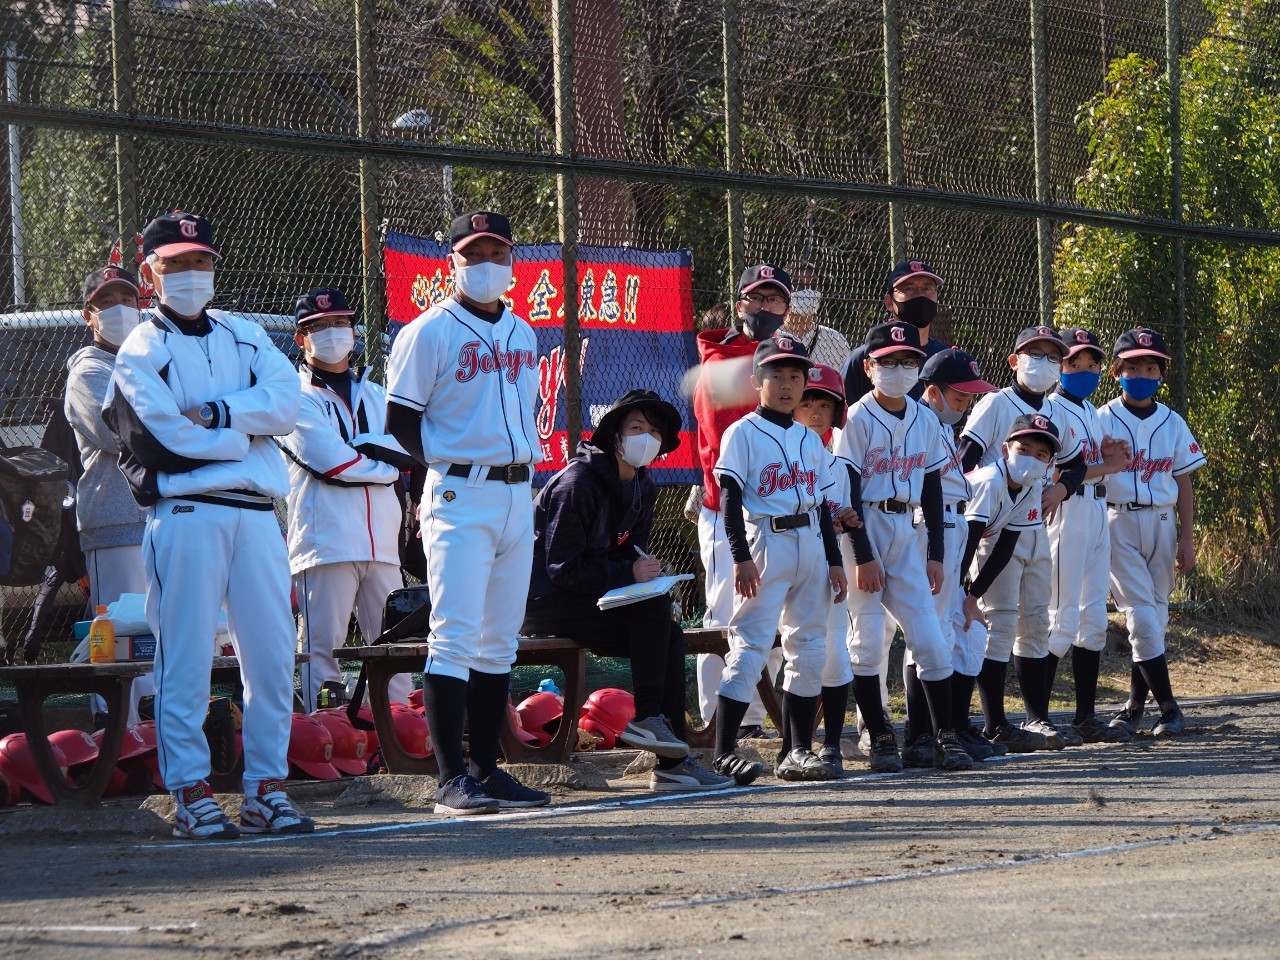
{"points": [[606, 714], [350, 746], [311, 748], [19, 766], [536, 712]]}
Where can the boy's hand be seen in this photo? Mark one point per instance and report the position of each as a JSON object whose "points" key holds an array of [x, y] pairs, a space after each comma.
{"points": [[870, 577], [935, 572], [1115, 454], [1185, 561], [840, 584], [972, 612], [1051, 499], [848, 519], [746, 579]]}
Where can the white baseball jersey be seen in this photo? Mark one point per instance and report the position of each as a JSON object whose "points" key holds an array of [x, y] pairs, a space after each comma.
{"points": [[1163, 449], [475, 382], [1083, 428], [993, 505], [781, 470], [955, 485], [891, 453], [838, 495], [994, 414]]}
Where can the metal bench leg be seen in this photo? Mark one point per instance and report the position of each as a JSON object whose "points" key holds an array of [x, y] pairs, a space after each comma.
{"points": [[573, 663]]}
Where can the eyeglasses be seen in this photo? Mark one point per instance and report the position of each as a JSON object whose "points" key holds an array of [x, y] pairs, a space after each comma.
{"points": [[1053, 358], [908, 364], [772, 300], [324, 323]]}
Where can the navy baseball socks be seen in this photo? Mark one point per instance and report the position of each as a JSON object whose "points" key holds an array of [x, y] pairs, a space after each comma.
{"points": [[997, 729], [884, 746]]}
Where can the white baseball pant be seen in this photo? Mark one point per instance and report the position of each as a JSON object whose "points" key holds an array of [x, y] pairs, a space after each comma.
{"points": [[1016, 604], [906, 595], [196, 556], [327, 594], [1080, 548], [947, 601], [837, 670], [795, 589], [1144, 546]]}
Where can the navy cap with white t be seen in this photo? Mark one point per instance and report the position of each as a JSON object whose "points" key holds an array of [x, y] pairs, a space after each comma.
{"points": [[906, 270], [1035, 425], [1140, 342], [891, 337], [171, 234], [782, 348], [1040, 334], [321, 302], [1078, 338], [761, 274], [479, 223], [956, 369], [108, 276]]}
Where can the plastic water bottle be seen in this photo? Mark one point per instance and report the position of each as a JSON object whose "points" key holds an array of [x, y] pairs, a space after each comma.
{"points": [[102, 637], [549, 686]]}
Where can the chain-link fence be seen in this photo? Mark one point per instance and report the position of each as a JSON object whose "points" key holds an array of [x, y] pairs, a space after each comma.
{"points": [[1104, 162]]}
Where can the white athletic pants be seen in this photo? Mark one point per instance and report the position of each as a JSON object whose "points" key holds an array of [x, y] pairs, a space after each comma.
{"points": [[478, 538], [327, 594], [1016, 604], [967, 648], [1144, 546], [1081, 550], [198, 556]]}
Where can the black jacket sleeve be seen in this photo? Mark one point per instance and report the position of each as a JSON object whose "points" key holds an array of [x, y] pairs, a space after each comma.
{"points": [[970, 452], [405, 424], [862, 552], [829, 542], [572, 510], [1072, 474], [735, 521], [931, 505], [1001, 553]]}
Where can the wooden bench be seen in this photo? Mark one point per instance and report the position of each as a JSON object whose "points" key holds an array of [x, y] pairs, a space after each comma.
{"points": [[384, 661], [716, 640], [111, 681]]}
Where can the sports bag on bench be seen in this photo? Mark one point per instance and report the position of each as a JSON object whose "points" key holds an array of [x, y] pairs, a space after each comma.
{"points": [[407, 614], [33, 496]]}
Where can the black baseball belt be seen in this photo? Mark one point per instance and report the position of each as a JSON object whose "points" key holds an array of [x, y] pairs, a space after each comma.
{"points": [[889, 506], [1099, 491], [792, 521], [511, 473]]}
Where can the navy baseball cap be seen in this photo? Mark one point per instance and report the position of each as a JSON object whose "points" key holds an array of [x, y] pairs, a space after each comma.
{"points": [[1035, 425], [173, 233], [1140, 342], [955, 369], [761, 274], [782, 349], [909, 268], [891, 337], [479, 223], [321, 302], [1039, 335], [108, 276], [1078, 338]]}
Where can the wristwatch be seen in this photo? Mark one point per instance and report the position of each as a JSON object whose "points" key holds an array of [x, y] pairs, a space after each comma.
{"points": [[206, 415]]}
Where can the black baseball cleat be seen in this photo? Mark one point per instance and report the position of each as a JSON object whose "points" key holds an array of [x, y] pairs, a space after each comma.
{"points": [[1015, 740], [949, 754], [511, 793], [1170, 724], [1092, 730], [977, 747], [884, 754], [1047, 731], [1129, 719], [919, 752], [803, 764], [742, 770]]}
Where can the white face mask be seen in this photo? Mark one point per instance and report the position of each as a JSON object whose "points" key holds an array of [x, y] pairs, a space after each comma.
{"points": [[1038, 376], [946, 413], [186, 293], [1024, 470], [805, 303], [117, 322], [332, 345], [482, 282], [640, 449], [895, 383]]}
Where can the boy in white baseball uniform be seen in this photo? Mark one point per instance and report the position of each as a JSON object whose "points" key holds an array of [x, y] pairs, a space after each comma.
{"points": [[774, 480], [894, 446], [1018, 608], [462, 383], [344, 515], [1150, 511], [196, 397], [1078, 539], [951, 380]]}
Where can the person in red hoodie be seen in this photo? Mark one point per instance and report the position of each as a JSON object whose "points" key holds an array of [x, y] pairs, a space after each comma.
{"points": [[721, 397]]}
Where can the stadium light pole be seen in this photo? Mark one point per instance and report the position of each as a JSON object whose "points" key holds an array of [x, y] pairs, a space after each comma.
{"points": [[420, 119]]}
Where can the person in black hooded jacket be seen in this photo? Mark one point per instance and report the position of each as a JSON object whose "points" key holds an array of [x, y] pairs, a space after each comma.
{"points": [[592, 523]]}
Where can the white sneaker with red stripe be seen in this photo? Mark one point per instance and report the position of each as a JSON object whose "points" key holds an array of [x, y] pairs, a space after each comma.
{"points": [[197, 816], [271, 812]]}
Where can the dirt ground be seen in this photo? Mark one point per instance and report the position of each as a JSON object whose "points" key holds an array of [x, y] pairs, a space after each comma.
{"points": [[1168, 848]]}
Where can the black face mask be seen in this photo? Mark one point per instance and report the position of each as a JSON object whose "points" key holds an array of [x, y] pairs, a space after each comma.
{"points": [[761, 324], [918, 311]]}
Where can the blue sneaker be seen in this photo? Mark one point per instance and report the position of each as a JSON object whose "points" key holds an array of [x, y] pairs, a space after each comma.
{"points": [[464, 797], [510, 792]]}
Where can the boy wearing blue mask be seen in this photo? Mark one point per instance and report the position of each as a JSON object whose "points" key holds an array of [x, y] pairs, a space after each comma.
{"points": [[1078, 540], [1150, 510]]}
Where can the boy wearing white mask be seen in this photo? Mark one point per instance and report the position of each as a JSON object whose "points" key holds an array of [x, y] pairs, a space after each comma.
{"points": [[1023, 627], [109, 520], [462, 385], [825, 345], [195, 401], [592, 524], [894, 446], [344, 515]]}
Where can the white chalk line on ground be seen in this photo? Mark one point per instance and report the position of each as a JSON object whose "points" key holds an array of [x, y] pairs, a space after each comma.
{"points": [[96, 928], [1215, 833]]}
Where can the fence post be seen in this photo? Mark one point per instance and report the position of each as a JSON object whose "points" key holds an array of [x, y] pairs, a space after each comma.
{"points": [[372, 295], [893, 125], [1173, 62], [1040, 128], [567, 210], [15, 177], [122, 70], [733, 138]]}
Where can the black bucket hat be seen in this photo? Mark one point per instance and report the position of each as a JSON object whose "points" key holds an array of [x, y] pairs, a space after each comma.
{"points": [[662, 414]]}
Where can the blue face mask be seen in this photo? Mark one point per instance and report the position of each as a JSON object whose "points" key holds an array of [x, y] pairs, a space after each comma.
{"points": [[1080, 384], [1140, 388]]}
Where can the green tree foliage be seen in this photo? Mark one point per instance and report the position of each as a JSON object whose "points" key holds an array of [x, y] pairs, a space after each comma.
{"points": [[1231, 176]]}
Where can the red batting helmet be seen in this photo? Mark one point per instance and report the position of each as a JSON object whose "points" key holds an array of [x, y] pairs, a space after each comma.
{"points": [[131, 774], [17, 763], [350, 746], [311, 748], [521, 733], [411, 730], [76, 745], [606, 714], [537, 711], [146, 731], [828, 380]]}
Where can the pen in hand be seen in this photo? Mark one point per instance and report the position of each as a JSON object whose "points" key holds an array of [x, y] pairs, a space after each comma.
{"points": [[647, 567]]}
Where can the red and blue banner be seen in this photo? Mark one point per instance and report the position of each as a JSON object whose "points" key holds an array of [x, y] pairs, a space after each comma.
{"points": [[635, 316]]}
